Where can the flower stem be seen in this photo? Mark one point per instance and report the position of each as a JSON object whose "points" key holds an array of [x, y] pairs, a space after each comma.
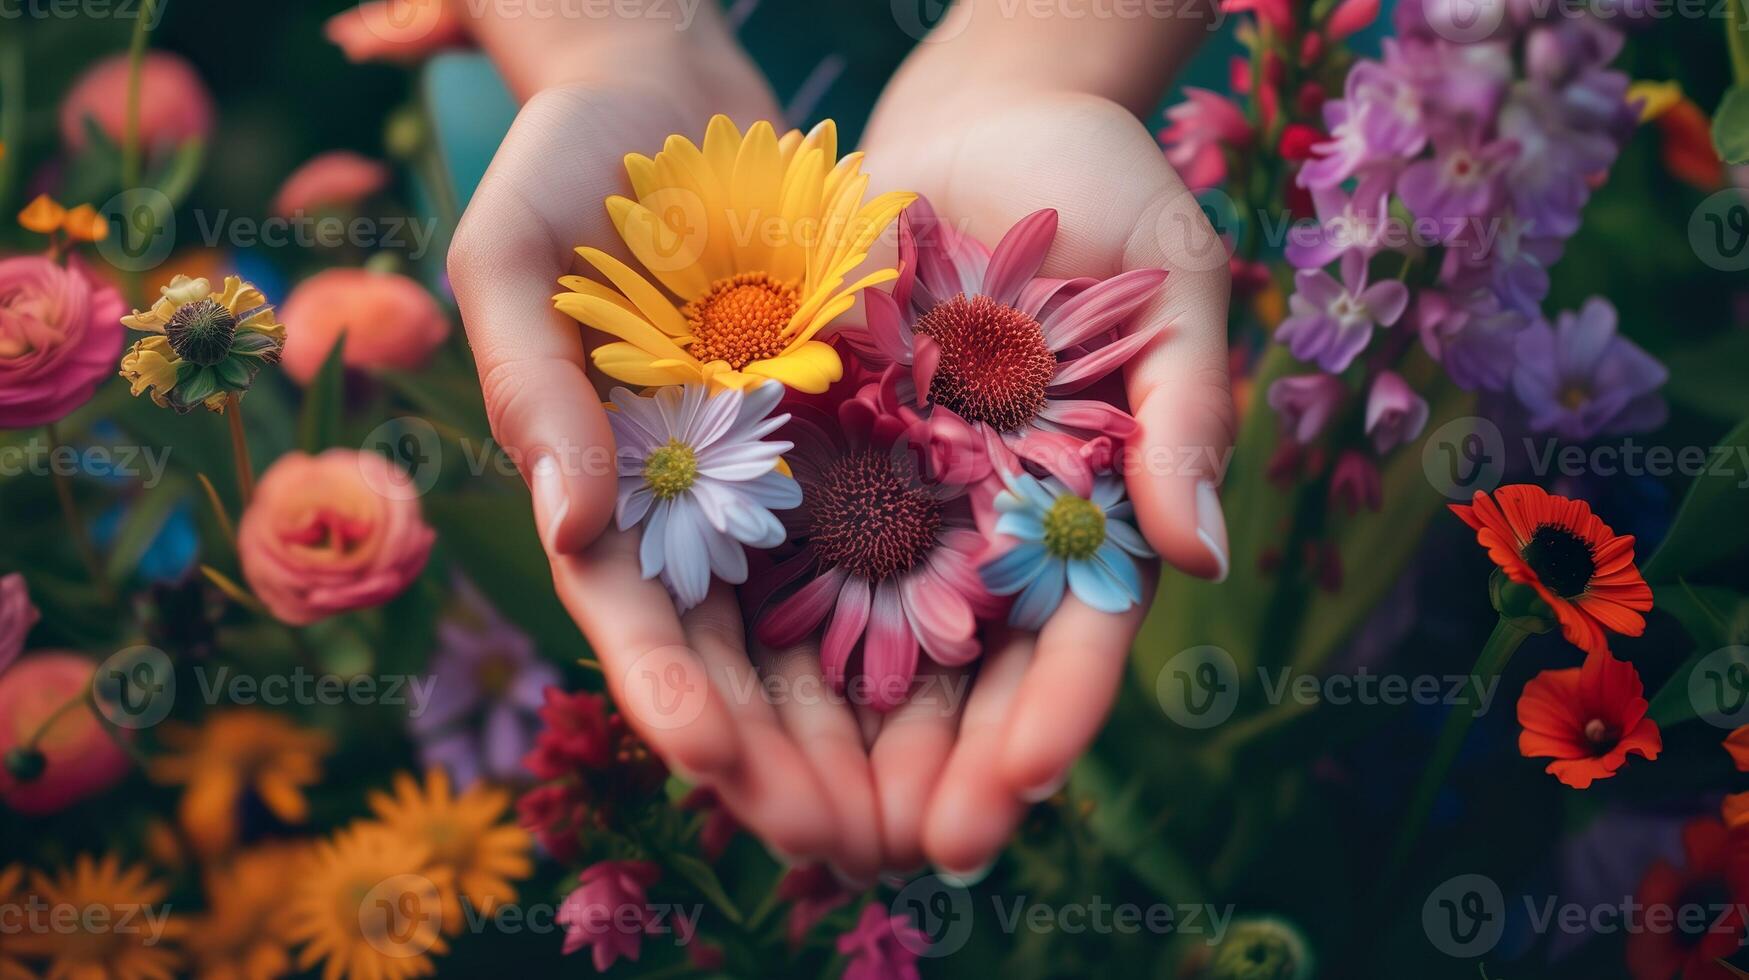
{"points": [[76, 522], [1502, 643], [240, 448]]}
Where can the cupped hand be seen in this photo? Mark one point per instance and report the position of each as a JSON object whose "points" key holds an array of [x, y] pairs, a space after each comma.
{"points": [[794, 769], [952, 781]]}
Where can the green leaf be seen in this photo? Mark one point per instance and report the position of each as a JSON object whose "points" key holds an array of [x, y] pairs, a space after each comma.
{"points": [[492, 536], [1709, 528], [180, 172], [139, 528], [1731, 125], [705, 880], [252, 344], [324, 401], [1708, 376], [234, 373], [200, 383]]}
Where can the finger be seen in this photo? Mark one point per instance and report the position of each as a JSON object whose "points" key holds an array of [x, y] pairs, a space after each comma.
{"points": [[772, 789], [821, 723], [541, 197], [910, 751], [1067, 692], [973, 811], [659, 683]]}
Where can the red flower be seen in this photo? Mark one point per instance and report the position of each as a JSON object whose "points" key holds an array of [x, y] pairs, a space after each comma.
{"points": [[575, 737], [813, 894], [1713, 880], [1582, 569], [1588, 719]]}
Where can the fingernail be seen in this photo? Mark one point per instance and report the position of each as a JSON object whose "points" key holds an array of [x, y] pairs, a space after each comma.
{"points": [[550, 502], [1045, 790], [1211, 526], [966, 879]]}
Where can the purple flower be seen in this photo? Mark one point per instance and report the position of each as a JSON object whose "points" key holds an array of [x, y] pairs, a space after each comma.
{"points": [[1345, 224], [1392, 117], [607, 911], [1580, 378], [882, 946], [694, 472], [1331, 322], [1394, 413], [1305, 403], [486, 683], [1342, 156], [1460, 183], [1471, 336]]}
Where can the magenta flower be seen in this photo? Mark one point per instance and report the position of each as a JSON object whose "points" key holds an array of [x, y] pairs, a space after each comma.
{"points": [[60, 335], [886, 547], [1199, 131], [813, 893], [882, 946], [1331, 322], [17, 616], [1471, 336], [983, 354], [1394, 413], [607, 911], [1580, 378], [1344, 154], [1460, 182], [1305, 403], [1392, 120]]}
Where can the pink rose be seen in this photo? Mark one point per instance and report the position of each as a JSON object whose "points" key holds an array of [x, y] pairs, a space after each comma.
{"points": [[335, 179], [175, 105], [17, 616], [396, 30], [60, 334], [330, 533], [80, 759], [389, 320]]}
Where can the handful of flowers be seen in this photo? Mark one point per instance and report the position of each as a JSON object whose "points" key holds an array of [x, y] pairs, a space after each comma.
{"points": [[896, 480]]}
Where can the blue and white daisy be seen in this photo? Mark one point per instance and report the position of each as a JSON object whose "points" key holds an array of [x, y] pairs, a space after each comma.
{"points": [[694, 471], [1063, 539]]}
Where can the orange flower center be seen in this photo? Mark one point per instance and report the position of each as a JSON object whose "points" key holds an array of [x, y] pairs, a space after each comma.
{"points": [[1561, 560], [742, 319], [994, 362]]}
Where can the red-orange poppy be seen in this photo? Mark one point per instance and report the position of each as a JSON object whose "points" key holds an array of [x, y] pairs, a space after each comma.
{"points": [[1713, 881], [1588, 719], [1582, 569], [1737, 745]]}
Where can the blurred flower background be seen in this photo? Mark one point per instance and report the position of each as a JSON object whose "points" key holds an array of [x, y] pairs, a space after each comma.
{"points": [[277, 640]]}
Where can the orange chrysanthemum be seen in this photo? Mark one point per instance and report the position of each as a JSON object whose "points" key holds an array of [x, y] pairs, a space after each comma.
{"points": [[244, 933], [368, 904], [481, 855], [11, 878], [124, 933], [1588, 719], [1582, 569], [238, 752]]}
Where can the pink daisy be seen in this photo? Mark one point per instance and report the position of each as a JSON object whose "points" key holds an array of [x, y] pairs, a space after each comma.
{"points": [[887, 550], [985, 354]]}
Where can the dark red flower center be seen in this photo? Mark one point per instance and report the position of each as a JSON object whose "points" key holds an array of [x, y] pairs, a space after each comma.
{"points": [[994, 363], [1600, 734], [870, 518], [1562, 560]]}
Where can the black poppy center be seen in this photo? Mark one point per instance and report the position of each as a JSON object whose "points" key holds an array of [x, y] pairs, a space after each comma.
{"points": [[1561, 560]]}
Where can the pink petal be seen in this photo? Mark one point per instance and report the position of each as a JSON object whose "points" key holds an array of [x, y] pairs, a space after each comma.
{"points": [[908, 253], [1096, 416], [1019, 255], [791, 620], [942, 618], [886, 326], [925, 358], [844, 630], [1039, 293], [1100, 308], [889, 650], [1074, 375], [1060, 454]]}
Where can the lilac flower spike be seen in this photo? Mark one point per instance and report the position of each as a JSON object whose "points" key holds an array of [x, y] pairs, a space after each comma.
{"points": [[694, 472], [1580, 379], [1332, 322], [1305, 403], [1345, 224], [1394, 413]]}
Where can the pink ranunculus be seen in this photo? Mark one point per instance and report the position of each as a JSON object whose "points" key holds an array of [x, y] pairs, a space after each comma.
{"points": [[17, 616], [336, 179], [397, 30], [175, 105], [330, 533], [883, 946], [608, 912], [60, 335], [80, 758], [389, 321]]}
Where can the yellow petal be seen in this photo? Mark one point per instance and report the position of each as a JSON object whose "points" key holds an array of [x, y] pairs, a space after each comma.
{"points": [[630, 364], [668, 242], [722, 144], [811, 367], [647, 298], [583, 284], [240, 297], [1658, 98], [613, 319], [754, 192], [642, 171]]}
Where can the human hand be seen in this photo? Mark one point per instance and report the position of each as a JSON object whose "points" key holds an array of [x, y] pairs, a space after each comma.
{"points": [[952, 785], [795, 772]]}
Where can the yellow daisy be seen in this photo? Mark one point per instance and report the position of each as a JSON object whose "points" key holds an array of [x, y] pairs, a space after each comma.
{"points": [[366, 904], [750, 238], [205, 346], [240, 751], [243, 935], [124, 930], [464, 836]]}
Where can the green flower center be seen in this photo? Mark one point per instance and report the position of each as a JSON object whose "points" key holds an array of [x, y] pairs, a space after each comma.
{"points": [[671, 470], [1074, 528], [202, 332]]}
